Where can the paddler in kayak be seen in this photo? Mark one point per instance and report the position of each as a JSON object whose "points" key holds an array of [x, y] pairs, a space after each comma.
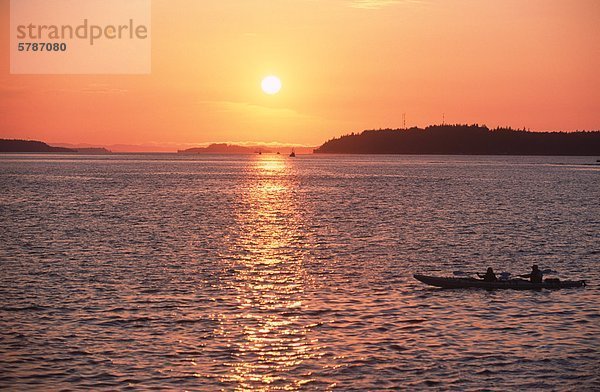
{"points": [[535, 276], [489, 276]]}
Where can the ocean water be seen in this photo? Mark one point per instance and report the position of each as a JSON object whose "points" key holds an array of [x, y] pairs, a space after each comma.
{"points": [[270, 273]]}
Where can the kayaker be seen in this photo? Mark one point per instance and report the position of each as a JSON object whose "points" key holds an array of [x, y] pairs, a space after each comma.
{"points": [[535, 276], [489, 276]]}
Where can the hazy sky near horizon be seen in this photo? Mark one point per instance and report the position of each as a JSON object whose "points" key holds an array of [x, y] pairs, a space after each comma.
{"points": [[345, 65]]}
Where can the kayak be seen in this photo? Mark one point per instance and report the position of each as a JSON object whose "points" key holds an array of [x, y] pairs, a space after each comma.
{"points": [[515, 284]]}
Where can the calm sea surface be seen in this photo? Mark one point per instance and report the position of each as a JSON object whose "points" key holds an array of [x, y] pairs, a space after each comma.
{"points": [[272, 273]]}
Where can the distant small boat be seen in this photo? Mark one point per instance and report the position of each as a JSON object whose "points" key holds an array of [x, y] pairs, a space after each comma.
{"points": [[293, 154], [515, 284]]}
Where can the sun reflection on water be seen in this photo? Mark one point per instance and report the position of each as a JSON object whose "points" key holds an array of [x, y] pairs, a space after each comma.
{"points": [[272, 340]]}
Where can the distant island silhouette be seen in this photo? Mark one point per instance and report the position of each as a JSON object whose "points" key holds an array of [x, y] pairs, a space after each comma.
{"points": [[221, 148], [92, 150], [464, 140], [225, 148], [16, 145], [13, 145]]}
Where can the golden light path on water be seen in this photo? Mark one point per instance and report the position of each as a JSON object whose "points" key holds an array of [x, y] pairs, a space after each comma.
{"points": [[269, 281]]}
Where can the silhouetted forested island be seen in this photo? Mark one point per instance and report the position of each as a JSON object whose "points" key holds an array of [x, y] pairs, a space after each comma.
{"points": [[10, 145], [464, 139]]}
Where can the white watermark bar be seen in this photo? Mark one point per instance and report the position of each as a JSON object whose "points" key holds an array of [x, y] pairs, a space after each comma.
{"points": [[80, 36]]}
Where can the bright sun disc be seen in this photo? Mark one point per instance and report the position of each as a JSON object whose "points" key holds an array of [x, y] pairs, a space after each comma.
{"points": [[271, 85]]}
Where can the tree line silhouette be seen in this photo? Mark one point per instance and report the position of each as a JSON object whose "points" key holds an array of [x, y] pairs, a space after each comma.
{"points": [[464, 139]]}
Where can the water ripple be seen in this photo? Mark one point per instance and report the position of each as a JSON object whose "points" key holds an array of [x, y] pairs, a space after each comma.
{"points": [[266, 273]]}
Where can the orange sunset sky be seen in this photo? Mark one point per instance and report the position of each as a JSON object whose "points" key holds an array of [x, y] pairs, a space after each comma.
{"points": [[345, 66]]}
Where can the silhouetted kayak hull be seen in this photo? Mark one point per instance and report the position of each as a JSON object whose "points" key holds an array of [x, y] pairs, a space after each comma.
{"points": [[515, 284]]}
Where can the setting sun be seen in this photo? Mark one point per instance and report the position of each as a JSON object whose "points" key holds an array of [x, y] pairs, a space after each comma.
{"points": [[271, 85]]}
